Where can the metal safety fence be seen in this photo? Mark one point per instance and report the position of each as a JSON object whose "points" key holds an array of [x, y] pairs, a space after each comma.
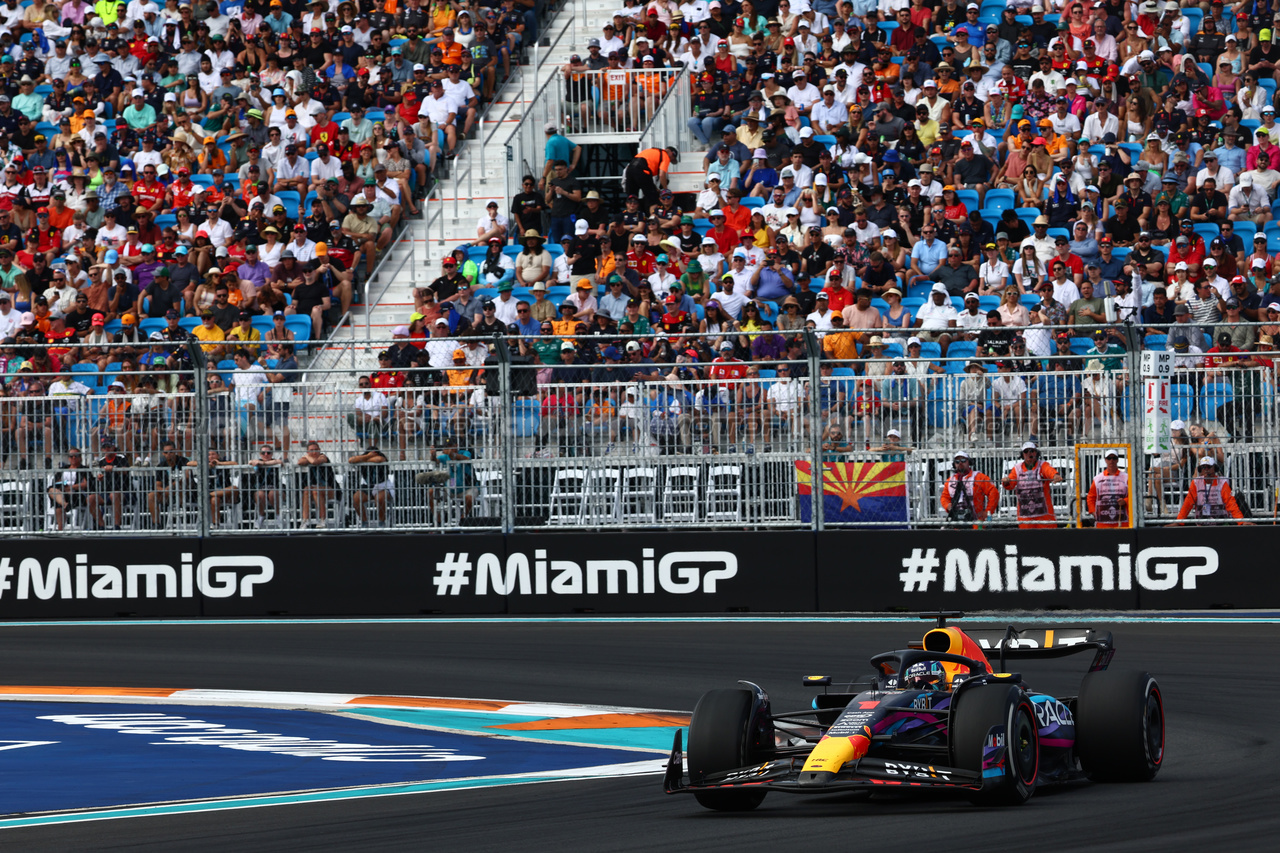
{"points": [[818, 429]]}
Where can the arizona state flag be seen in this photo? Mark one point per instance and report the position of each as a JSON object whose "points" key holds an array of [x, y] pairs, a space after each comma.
{"points": [[856, 492]]}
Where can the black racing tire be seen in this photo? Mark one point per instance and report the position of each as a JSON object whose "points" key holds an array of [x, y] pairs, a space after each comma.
{"points": [[975, 711], [719, 740], [1120, 726]]}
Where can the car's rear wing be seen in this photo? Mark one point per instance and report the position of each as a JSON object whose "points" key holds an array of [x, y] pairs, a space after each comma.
{"points": [[1030, 643]]}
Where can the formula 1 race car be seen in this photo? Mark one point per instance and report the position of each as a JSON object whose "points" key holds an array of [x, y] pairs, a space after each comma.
{"points": [[935, 715]]}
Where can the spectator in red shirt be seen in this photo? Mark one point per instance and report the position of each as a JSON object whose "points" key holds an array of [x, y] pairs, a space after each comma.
{"points": [[1183, 251], [726, 238], [674, 319], [640, 258], [385, 377], [1062, 252]]}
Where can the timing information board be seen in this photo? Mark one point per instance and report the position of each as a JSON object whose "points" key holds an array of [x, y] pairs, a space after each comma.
{"points": [[98, 758]]}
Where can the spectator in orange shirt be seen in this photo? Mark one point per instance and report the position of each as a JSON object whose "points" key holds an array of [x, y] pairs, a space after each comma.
{"points": [[449, 49], [736, 216]]}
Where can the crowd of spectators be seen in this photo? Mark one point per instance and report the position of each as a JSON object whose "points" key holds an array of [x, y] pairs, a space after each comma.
{"points": [[200, 162], [900, 179]]}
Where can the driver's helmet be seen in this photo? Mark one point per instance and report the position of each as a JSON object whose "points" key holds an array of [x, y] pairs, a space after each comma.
{"points": [[926, 676]]}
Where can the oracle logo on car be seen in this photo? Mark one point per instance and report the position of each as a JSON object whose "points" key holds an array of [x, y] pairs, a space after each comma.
{"points": [[77, 578], [1162, 568], [677, 572]]}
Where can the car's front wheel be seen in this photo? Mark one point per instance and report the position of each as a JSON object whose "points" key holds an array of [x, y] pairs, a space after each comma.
{"points": [[990, 719], [722, 738]]}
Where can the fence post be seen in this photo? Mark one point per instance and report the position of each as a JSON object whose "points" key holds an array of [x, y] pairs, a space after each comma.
{"points": [[507, 404], [813, 352], [1137, 410], [202, 435]]}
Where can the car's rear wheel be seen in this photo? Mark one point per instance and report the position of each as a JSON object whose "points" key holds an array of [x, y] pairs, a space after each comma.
{"points": [[1120, 726], [976, 711], [721, 738]]}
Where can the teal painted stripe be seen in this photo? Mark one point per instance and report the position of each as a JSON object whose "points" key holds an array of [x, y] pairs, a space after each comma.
{"points": [[657, 739], [280, 800], [1029, 618]]}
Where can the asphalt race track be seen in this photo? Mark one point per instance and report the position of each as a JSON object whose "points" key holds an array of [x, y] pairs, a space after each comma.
{"points": [[1217, 790]]}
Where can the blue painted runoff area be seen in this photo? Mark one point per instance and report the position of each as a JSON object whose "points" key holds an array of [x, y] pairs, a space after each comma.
{"points": [[61, 756], [656, 738]]}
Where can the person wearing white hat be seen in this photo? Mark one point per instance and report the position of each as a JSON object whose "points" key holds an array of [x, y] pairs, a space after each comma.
{"points": [[968, 496], [802, 93], [1169, 464], [1248, 201], [1209, 495], [1029, 480], [892, 449], [1108, 498], [937, 318]]}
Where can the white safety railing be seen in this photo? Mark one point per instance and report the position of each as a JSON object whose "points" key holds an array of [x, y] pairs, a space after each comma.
{"points": [[669, 123]]}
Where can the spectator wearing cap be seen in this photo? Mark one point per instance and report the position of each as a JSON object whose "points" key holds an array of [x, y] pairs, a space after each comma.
{"points": [[1262, 145], [492, 225], [1247, 201], [738, 152], [724, 169]]}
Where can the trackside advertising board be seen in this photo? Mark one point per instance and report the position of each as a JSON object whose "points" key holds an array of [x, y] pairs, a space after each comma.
{"points": [[660, 572]]}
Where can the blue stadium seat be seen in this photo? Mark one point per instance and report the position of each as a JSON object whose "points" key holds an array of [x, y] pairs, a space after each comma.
{"points": [[1080, 346], [970, 199], [190, 323], [1206, 230], [1213, 396], [291, 201], [1181, 401], [300, 325], [1195, 16], [87, 374], [147, 325], [1245, 229], [919, 290], [751, 201], [999, 200], [1155, 343]]}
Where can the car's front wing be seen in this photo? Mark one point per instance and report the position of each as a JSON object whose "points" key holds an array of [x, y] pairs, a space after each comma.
{"points": [[784, 774]]}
